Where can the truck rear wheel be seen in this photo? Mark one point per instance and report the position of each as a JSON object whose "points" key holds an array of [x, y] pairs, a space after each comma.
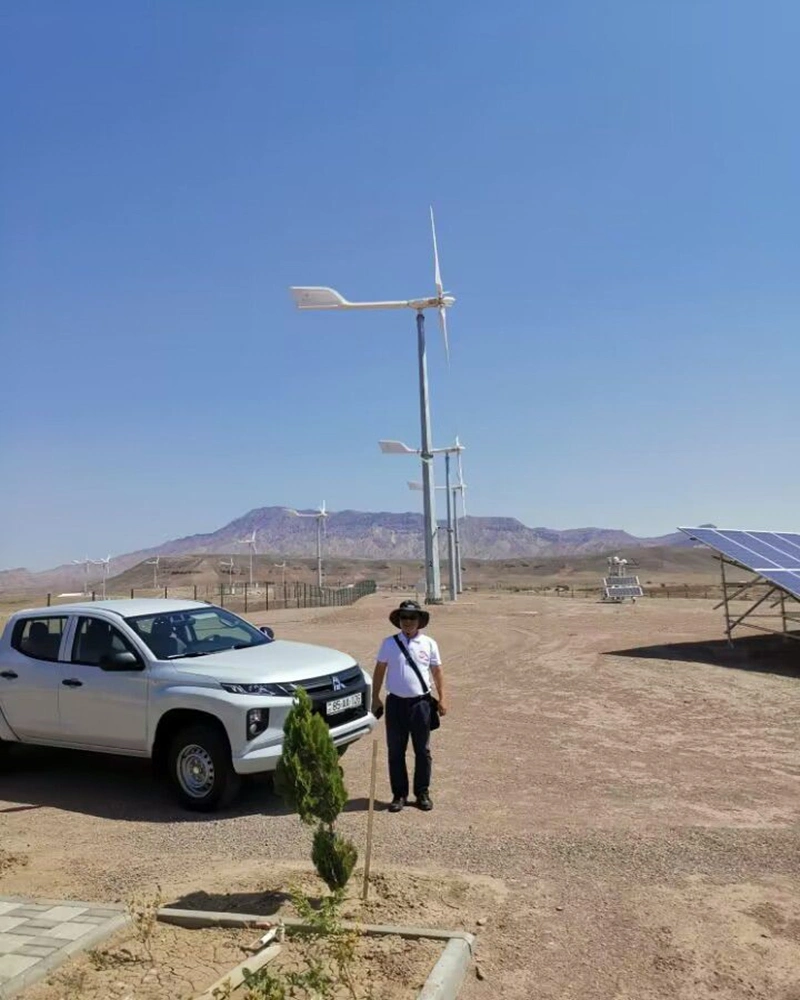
{"points": [[200, 769]]}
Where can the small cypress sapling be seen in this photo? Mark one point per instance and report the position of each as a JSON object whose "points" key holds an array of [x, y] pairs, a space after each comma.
{"points": [[309, 778]]}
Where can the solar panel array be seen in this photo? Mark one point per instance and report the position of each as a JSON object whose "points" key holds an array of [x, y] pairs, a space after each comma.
{"points": [[621, 581], [775, 555]]}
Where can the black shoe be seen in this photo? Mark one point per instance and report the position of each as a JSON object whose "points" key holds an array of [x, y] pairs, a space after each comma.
{"points": [[397, 804], [424, 802]]}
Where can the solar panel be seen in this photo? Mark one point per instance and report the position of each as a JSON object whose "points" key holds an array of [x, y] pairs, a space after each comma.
{"points": [[616, 592], [775, 555], [621, 581]]}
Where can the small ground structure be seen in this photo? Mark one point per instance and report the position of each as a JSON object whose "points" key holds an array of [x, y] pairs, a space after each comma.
{"points": [[620, 585]]}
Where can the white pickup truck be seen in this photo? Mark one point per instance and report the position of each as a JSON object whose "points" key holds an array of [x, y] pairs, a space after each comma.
{"points": [[199, 690]]}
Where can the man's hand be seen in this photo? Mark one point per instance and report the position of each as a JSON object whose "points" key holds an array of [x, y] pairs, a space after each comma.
{"points": [[377, 707], [442, 708]]}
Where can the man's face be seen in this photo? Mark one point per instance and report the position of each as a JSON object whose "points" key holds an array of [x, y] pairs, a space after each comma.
{"points": [[409, 622]]}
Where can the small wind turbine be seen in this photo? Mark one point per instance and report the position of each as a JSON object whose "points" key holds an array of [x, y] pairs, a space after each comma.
{"points": [[320, 514], [154, 563], [328, 298], [86, 562], [250, 542], [104, 563], [228, 565]]}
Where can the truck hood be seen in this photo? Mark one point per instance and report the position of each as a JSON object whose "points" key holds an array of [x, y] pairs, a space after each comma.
{"points": [[280, 660]]}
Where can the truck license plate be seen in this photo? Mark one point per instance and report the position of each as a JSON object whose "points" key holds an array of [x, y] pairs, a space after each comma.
{"points": [[342, 704]]}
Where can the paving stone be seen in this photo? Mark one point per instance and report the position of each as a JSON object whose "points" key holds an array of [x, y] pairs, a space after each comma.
{"points": [[48, 942], [30, 912], [38, 925], [14, 965], [7, 906], [9, 923], [70, 932], [89, 919], [39, 950], [10, 942], [63, 912]]}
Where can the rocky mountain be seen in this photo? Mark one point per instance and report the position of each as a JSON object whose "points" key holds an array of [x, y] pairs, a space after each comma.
{"points": [[352, 534]]}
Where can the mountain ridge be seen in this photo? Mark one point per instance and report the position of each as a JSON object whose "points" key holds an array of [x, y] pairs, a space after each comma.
{"points": [[361, 535]]}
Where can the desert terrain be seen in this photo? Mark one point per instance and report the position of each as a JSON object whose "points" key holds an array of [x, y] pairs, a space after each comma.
{"points": [[616, 801]]}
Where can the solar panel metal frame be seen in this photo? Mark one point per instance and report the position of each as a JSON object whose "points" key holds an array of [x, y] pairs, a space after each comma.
{"points": [[624, 592]]}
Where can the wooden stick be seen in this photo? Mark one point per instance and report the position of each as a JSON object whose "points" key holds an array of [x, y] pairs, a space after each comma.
{"points": [[233, 979], [370, 813]]}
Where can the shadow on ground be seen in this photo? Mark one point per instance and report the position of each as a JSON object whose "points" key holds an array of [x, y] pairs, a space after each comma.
{"points": [[122, 788], [262, 903], [765, 654]]}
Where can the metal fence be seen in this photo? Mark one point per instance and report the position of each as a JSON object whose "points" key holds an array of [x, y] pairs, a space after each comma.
{"points": [[242, 597]]}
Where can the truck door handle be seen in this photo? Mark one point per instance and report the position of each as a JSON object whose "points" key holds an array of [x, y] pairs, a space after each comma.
{"points": [[71, 682], [9, 675]]}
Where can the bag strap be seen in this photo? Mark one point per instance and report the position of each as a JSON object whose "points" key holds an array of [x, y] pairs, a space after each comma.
{"points": [[411, 662]]}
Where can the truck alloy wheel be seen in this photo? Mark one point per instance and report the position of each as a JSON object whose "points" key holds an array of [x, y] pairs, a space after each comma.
{"points": [[200, 768]]}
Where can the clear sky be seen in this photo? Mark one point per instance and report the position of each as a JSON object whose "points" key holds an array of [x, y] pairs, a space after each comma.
{"points": [[616, 188]]}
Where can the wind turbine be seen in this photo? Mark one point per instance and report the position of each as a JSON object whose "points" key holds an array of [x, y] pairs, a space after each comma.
{"points": [[457, 488], [328, 298], [86, 562], [228, 565], [320, 514], [282, 567], [398, 448], [250, 542], [154, 563], [104, 563]]}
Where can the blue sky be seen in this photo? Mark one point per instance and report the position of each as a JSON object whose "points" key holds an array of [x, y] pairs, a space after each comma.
{"points": [[616, 188]]}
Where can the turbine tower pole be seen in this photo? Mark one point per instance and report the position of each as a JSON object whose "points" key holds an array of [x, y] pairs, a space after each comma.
{"points": [[457, 541], [451, 555], [319, 551], [432, 579]]}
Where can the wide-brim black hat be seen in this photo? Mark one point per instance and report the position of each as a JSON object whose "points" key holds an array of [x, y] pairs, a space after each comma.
{"points": [[409, 607]]}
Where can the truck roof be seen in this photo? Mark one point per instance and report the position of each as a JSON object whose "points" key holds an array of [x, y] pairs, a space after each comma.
{"points": [[123, 608]]}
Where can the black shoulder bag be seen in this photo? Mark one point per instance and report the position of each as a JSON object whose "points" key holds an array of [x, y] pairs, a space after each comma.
{"points": [[435, 719]]}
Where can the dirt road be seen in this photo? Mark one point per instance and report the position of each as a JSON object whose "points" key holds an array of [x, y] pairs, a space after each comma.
{"points": [[634, 810]]}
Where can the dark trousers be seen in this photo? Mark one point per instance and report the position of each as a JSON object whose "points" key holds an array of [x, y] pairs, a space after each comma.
{"points": [[408, 717]]}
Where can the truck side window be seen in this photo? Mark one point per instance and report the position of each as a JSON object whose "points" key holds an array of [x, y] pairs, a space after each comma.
{"points": [[94, 638], [39, 638]]}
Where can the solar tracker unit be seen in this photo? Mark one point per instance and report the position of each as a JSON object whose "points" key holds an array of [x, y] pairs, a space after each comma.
{"points": [[773, 555]]}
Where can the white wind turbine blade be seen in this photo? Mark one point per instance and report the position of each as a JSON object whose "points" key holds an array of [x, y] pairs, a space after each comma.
{"points": [[437, 277]]}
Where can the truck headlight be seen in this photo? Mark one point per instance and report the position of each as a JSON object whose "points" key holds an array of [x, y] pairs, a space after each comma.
{"points": [[257, 722]]}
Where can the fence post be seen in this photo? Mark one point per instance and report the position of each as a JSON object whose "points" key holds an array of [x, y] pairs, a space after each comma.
{"points": [[166, 592], [48, 600], [245, 596], [195, 591], [297, 593], [221, 594], [94, 597], [131, 593], [266, 596]]}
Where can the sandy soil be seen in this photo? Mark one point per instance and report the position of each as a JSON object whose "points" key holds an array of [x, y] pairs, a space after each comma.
{"points": [[616, 800]]}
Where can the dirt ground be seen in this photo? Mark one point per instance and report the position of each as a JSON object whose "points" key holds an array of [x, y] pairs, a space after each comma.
{"points": [[616, 801]]}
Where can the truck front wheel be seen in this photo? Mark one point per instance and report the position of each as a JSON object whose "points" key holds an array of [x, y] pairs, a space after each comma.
{"points": [[200, 768]]}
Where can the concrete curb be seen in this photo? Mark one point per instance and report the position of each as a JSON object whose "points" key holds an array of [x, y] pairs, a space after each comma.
{"points": [[70, 948], [443, 983]]}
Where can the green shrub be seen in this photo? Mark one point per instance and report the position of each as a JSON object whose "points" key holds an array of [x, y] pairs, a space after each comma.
{"points": [[334, 857], [308, 774], [310, 780]]}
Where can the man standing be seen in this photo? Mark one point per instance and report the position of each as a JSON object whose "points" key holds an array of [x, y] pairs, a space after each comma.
{"points": [[408, 661]]}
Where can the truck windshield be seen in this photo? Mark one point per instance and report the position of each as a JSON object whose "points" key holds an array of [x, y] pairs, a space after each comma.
{"points": [[196, 632]]}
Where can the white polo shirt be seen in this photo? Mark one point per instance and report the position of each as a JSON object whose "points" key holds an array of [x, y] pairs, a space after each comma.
{"points": [[400, 678]]}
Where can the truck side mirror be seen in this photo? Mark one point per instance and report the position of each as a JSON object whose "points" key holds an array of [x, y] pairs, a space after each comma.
{"points": [[268, 632], [120, 661]]}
